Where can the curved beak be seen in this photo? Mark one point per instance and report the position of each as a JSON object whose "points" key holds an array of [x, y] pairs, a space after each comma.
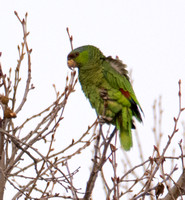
{"points": [[71, 64]]}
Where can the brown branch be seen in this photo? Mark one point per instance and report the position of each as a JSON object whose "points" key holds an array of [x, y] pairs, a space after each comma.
{"points": [[28, 51], [160, 159], [2, 175], [70, 38], [114, 163], [73, 190], [97, 166], [178, 189]]}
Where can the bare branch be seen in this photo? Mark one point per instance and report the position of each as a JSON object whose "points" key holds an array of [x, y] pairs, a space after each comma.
{"points": [[97, 166], [178, 189]]}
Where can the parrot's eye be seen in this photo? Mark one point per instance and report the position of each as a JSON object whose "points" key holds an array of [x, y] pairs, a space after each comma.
{"points": [[73, 55]]}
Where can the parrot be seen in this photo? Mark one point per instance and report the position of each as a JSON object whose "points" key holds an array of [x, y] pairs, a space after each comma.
{"points": [[105, 82]]}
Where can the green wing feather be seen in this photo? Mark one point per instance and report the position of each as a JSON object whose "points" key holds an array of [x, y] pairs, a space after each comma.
{"points": [[117, 76]]}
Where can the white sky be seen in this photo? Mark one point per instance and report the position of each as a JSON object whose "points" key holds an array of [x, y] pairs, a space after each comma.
{"points": [[149, 36]]}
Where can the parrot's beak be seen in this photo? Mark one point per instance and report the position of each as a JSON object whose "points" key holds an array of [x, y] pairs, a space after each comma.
{"points": [[71, 64]]}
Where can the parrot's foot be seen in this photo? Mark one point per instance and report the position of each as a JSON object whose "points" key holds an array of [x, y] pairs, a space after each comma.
{"points": [[103, 94], [104, 119]]}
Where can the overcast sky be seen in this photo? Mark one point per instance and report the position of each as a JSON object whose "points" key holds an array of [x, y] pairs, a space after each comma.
{"points": [[149, 36]]}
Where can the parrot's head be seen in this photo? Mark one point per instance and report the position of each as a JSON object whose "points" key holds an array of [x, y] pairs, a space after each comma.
{"points": [[83, 56]]}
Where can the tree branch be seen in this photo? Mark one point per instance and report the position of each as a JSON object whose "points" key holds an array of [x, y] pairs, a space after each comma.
{"points": [[178, 189], [97, 166]]}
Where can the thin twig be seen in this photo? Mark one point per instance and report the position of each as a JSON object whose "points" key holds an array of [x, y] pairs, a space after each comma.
{"points": [[97, 166]]}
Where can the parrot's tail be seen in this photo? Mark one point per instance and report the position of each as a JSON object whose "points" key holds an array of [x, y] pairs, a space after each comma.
{"points": [[124, 124]]}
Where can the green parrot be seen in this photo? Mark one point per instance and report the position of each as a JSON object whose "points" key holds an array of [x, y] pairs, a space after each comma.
{"points": [[105, 82]]}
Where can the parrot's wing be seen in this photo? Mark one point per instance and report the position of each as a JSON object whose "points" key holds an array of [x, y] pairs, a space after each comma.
{"points": [[117, 76]]}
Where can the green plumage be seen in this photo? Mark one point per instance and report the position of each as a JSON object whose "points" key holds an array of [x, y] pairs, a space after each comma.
{"points": [[106, 84]]}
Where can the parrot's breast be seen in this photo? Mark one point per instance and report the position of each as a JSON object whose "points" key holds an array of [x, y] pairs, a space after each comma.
{"points": [[92, 85]]}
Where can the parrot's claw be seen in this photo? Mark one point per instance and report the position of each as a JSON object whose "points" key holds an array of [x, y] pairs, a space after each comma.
{"points": [[103, 94], [104, 119]]}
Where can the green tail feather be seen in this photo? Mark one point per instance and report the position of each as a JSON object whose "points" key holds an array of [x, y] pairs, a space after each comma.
{"points": [[126, 139], [124, 124]]}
